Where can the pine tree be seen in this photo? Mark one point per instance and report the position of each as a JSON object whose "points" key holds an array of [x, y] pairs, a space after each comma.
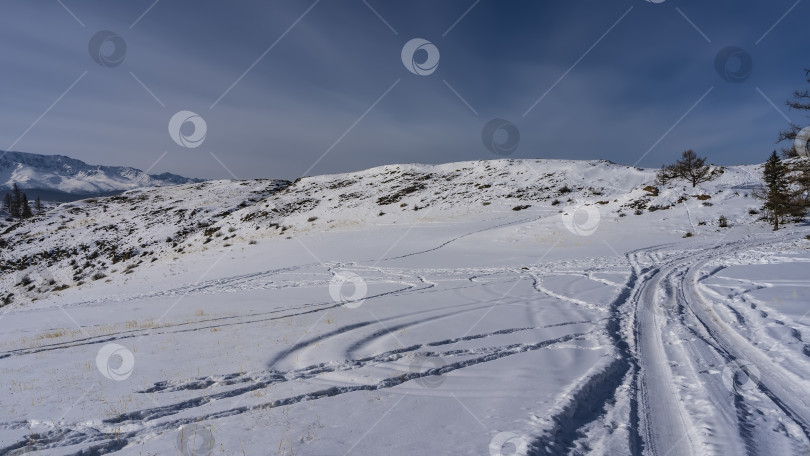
{"points": [[25, 208], [777, 189], [38, 205], [7, 203], [16, 201]]}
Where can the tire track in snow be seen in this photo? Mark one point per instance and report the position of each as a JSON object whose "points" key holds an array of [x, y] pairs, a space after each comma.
{"points": [[662, 419], [590, 398], [784, 388], [116, 433]]}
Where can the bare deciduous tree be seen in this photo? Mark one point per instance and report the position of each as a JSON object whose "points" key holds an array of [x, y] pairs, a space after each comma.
{"points": [[800, 101], [690, 167]]}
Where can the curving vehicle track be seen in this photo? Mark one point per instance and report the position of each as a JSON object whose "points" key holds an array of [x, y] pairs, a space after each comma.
{"points": [[687, 355], [659, 388]]}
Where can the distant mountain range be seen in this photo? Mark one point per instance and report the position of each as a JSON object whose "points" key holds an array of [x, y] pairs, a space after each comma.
{"points": [[61, 178]]}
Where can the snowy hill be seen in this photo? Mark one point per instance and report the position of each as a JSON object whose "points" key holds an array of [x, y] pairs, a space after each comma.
{"points": [[145, 225], [531, 307], [57, 177]]}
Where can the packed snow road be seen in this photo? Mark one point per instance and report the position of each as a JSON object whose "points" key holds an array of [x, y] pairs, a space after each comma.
{"points": [[473, 337]]}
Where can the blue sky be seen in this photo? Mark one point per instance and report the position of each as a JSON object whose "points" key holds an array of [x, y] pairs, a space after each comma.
{"points": [[323, 83]]}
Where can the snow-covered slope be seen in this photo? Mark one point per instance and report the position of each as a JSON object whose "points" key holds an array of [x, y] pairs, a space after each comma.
{"points": [[531, 307], [56, 174], [144, 225]]}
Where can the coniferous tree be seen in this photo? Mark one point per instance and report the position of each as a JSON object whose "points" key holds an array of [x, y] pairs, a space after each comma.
{"points": [[16, 201], [799, 163], [25, 208], [7, 203], [777, 189], [38, 205]]}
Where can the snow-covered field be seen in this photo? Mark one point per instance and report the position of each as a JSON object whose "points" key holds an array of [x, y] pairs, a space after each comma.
{"points": [[410, 310]]}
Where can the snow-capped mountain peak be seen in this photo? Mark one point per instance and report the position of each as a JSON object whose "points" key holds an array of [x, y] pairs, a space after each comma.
{"points": [[57, 175]]}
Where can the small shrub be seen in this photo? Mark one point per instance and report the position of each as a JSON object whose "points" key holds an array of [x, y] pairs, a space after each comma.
{"points": [[252, 242], [722, 222], [706, 203], [521, 207], [688, 234], [703, 197], [555, 202], [381, 214], [753, 212], [701, 223], [565, 189], [486, 203], [99, 275], [312, 219]]}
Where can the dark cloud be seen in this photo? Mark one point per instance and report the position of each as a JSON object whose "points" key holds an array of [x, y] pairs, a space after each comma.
{"points": [[632, 87]]}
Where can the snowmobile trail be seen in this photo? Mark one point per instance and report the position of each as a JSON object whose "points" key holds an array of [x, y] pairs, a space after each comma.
{"points": [[784, 388], [664, 422], [678, 338]]}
